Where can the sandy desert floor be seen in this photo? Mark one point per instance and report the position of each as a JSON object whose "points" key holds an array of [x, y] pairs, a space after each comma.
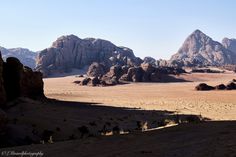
{"points": [[123, 106], [178, 97]]}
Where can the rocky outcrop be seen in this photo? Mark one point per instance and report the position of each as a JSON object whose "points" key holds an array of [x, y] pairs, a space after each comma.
{"points": [[123, 74], [26, 57], [200, 50], [69, 52], [96, 70], [17, 80]]}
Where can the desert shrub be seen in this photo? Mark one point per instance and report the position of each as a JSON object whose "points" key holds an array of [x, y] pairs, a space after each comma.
{"points": [[142, 125], [47, 136]]}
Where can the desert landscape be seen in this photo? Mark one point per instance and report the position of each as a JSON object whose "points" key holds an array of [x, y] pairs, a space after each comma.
{"points": [[103, 121], [176, 97], [118, 78]]}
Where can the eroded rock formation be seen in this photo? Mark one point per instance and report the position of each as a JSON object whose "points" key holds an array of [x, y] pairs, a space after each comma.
{"points": [[17, 80], [69, 52]]}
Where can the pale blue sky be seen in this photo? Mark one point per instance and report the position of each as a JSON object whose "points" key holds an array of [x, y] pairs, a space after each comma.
{"points": [[150, 27]]}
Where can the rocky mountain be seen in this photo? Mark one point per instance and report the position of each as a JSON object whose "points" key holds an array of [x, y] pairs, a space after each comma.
{"points": [[229, 44], [200, 50], [25, 56], [69, 52]]}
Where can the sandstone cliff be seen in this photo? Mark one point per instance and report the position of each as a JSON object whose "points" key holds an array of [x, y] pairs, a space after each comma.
{"points": [[69, 52]]}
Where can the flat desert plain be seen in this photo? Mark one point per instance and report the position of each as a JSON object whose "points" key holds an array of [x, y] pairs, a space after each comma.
{"points": [[179, 97]]}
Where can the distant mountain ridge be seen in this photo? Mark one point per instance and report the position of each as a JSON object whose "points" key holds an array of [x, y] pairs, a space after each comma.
{"points": [[26, 57], [70, 52], [201, 50]]}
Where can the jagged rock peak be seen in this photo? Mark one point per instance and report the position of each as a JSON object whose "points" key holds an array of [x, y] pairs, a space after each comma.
{"points": [[200, 50]]}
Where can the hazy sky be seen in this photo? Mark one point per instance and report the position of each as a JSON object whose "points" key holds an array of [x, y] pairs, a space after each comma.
{"points": [[150, 27]]}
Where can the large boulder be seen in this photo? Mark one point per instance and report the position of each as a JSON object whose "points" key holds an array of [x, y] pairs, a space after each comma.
{"points": [[96, 70], [204, 87], [12, 74], [148, 69], [135, 74], [95, 81], [116, 71], [231, 86], [21, 81], [220, 87]]}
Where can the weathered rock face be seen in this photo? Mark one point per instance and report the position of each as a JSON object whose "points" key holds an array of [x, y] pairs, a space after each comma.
{"points": [[200, 50], [229, 44], [31, 84], [17, 80], [69, 52], [96, 70], [2, 90]]}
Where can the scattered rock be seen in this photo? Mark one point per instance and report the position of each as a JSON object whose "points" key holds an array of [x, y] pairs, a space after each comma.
{"points": [[220, 87], [85, 81], [231, 86], [94, 81], [204, 87]]}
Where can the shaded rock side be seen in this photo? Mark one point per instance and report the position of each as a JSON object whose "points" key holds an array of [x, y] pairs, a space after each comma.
{"points": [[2, 90], [21, 81]]}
